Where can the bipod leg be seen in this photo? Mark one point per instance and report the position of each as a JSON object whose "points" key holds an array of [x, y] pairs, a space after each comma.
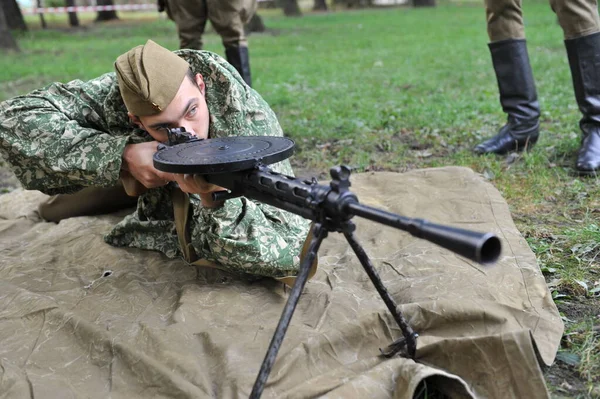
{"points": [[410, 337], [318, 234]]}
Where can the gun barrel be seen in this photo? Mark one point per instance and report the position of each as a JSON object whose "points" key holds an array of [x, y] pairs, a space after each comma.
{"points": [[480, 247], [312, 201]]}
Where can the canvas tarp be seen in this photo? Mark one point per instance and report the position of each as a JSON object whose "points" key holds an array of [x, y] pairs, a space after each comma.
{"points": [[81, 319]]}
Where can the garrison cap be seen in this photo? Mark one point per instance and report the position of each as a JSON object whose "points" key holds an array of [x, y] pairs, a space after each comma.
{"points": [[149, 76]]}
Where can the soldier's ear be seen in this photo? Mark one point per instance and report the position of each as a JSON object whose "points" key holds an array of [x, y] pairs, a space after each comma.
{"points": [[200, 83], [135, 120]]}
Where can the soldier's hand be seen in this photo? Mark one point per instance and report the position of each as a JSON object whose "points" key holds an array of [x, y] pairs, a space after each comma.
{"points": [[137, 160], [132, 187], [195, 184]]}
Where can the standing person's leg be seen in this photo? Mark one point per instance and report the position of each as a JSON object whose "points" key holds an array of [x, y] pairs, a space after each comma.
{"points": [[581, 26], [190, 17], [228, 18], [516, 85]]}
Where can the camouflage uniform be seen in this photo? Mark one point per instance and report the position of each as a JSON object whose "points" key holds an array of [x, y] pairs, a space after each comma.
{"points": [[65, 137]]}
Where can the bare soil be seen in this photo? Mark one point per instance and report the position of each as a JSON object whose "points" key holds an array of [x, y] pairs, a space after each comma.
{"points": [[563, 379]]}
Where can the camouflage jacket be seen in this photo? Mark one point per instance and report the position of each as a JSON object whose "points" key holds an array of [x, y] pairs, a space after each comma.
{"points": [[64, 137]]}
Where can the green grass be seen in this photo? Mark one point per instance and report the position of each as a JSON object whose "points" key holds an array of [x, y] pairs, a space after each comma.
{"points": [[397, 89]]}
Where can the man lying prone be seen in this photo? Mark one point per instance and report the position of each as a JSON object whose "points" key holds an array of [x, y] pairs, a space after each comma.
{"points": [[86, 142]]}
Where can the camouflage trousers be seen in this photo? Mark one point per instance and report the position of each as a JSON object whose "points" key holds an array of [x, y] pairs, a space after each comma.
{"points": [[577, 18], [228, 17]]}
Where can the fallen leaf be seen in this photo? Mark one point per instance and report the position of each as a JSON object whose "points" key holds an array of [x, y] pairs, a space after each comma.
{"points": [[569, 358], [488, 174], [423, 154]]}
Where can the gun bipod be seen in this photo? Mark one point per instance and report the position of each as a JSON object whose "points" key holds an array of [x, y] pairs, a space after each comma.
{"points": [[319, 232]]}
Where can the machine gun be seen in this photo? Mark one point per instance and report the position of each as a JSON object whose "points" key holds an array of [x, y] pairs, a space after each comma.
{"points": [[238, 164]]}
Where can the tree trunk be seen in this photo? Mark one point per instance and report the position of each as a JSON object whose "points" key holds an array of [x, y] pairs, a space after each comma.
{"points": [[106, 15], [42, 19], [320, 5], [7, 42], [423, 3], [12, 15], [290, 8], [73, 20]]}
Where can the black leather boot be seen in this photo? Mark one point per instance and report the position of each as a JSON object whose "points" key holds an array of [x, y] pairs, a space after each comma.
{"points": [[240, 59], [518, 98], [584, 60]]}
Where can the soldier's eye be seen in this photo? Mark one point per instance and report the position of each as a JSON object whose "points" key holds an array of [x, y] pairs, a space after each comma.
{"points": [[192, 111]]}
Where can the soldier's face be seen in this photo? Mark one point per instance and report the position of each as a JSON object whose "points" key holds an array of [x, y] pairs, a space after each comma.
{"points": [[188, 109]]}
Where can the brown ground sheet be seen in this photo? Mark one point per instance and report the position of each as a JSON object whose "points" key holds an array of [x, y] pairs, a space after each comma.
{"points": [[158, 328]]}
